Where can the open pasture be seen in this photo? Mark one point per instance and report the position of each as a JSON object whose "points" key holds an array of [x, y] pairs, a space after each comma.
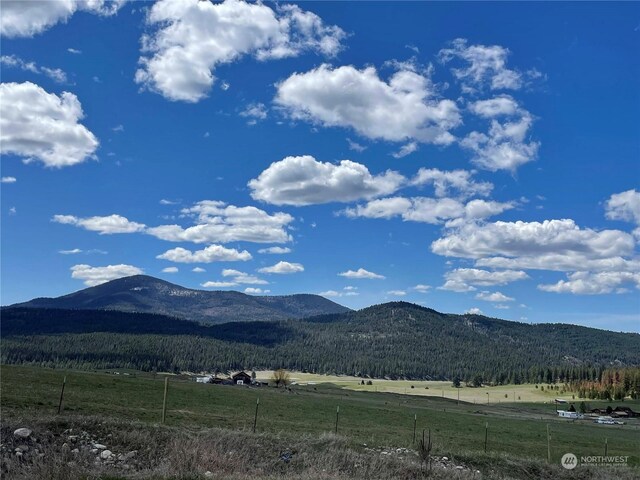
{"points": [[527, 393], [372, 418]]}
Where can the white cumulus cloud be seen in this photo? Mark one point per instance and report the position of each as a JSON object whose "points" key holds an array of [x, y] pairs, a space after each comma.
{"points": [[93, 276], [283, 268], [463, 279], [218, 222], [458, 183], [495, 107], [549, 245], [255, 112], [405, 150], [483, 66], [506, 146], [24, 18], [41, 126], [242, 277], [427, 210], [8, 180], [361, 273], [330, 293], [212, 284], [305, 181], [275, 250], [404, 108], [422, 288], [212, 253], [473, 311], [73, 251], [106, 225], [624, 206], [189, 39], [170, 270], [397, 293], [255, 291], [493, 297], [589, 283]]}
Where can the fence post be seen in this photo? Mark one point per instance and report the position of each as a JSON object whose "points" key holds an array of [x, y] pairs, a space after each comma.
{"points": [[548, 445], [415, 420], [64, 381], [337, 416], [164, 399], [606, 445], [255, 418], [486, 435]]}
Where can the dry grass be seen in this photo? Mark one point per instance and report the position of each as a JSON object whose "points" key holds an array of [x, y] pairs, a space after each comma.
{"points": [[180, 453]]}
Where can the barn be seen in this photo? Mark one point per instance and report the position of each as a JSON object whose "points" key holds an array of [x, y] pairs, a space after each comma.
{"points": [[241, 378]]}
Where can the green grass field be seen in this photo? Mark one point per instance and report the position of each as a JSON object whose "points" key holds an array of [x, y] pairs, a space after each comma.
{"points": [[377, 419], [482, 395]]}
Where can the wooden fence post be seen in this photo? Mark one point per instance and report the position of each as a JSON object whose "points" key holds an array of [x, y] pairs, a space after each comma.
{"points": [[164, 399], [548, 445], [64, 381], [255, 418], [486, 435], [415, 421], [606, 445], [337, 416]]}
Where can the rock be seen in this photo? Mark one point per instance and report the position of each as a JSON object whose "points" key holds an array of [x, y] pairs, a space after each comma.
{"points": [[24, 448], [208, 474], [94, 450], [445, 459], [73, 438], [105, 454], [22, 433], [75, 450], [459, 467], [99, 446], [130, 455], [18, 454]]}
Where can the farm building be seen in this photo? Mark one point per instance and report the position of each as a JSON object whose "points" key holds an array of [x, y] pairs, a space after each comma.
{"points": [[624, 412], [573, 415], [241, 378]]}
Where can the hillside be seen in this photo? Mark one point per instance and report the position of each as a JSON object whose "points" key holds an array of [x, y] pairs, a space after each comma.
{"points": [[144, 294], [391, 340]]}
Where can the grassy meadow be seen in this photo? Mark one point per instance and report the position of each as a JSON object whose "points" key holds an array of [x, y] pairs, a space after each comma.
{"points": [[374, 418], [527, 393]]}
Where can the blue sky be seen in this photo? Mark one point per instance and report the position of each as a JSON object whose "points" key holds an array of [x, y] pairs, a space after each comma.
{"points": [[468, 157]]}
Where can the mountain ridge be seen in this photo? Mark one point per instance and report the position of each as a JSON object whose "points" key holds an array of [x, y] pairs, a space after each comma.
{"points": [[395, 340], [146, 294]]}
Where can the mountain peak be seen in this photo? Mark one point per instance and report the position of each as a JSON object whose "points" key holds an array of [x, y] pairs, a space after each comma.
{"points": [[146, 294]]}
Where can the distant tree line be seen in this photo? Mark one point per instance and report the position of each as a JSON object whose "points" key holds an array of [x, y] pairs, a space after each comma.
{"points": [[392, 341], [612, 384]]}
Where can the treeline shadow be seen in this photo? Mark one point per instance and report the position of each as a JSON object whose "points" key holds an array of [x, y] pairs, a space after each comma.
{"points": [[48, 321]]}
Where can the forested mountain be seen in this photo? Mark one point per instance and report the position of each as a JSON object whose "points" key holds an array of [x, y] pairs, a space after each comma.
{"points": [[391, 340], [144, 294]]}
